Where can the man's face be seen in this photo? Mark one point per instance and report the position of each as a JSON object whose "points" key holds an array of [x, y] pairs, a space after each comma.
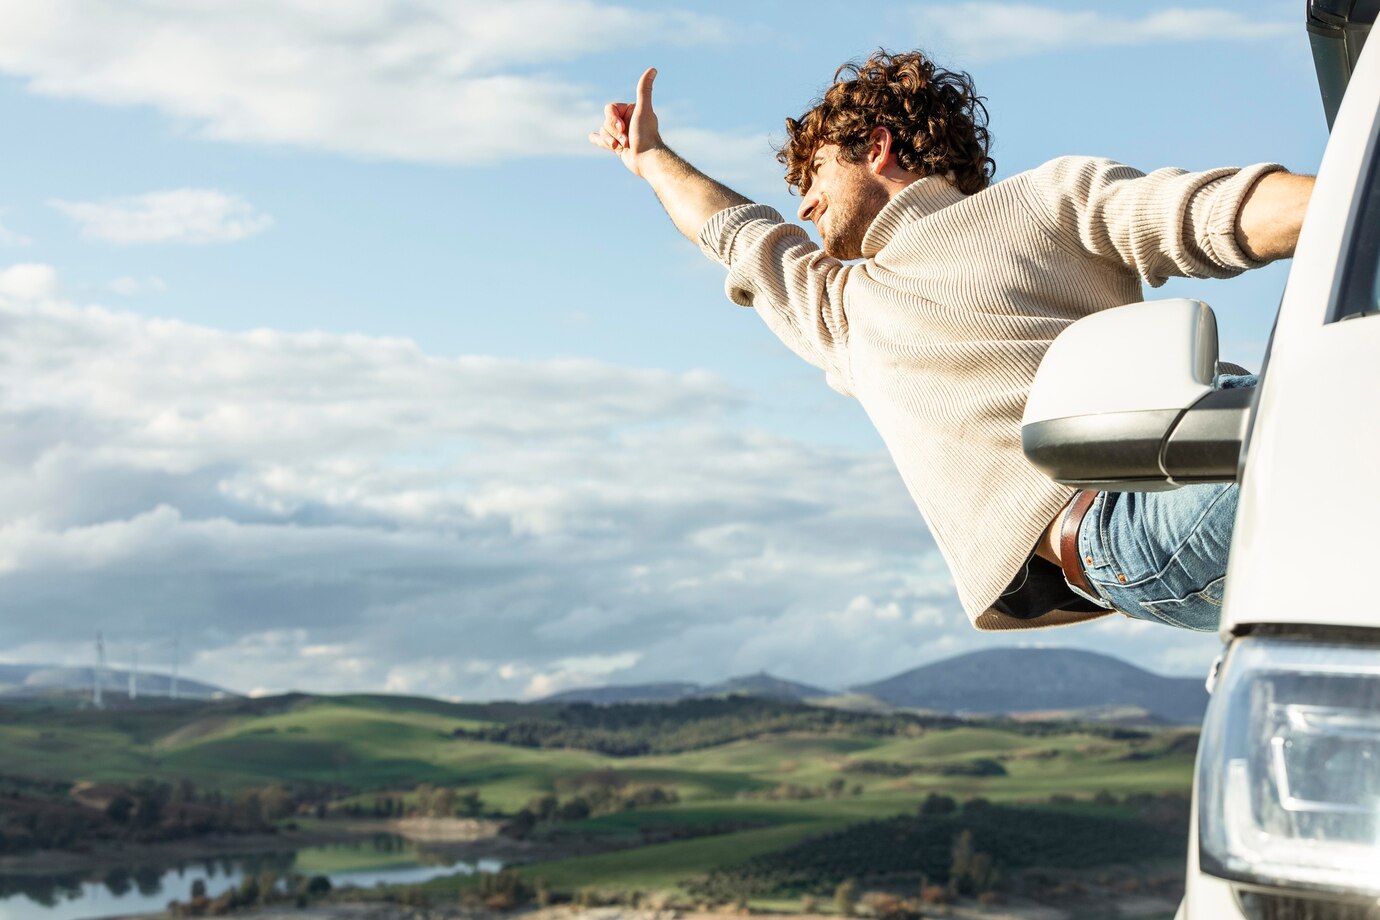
{"points": [[843, 200]]}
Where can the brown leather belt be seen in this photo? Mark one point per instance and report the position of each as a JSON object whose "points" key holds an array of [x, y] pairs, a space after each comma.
{"points": [[1069, 556]]}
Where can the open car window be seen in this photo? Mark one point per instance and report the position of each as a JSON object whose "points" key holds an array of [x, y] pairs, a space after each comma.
{"points": [[1358, 293], [1337, 32]]}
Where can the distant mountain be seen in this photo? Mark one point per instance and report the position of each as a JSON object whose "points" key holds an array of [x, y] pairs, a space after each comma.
{"points": [[30, 680], [762, 684], [1028, 680], [626, 693]]}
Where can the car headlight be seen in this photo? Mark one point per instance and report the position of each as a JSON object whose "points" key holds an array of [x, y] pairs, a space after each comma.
{"points": [[1289, 767]]}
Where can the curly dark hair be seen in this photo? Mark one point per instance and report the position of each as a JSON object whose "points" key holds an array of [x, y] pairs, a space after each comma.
{"points": [[938, 122]]}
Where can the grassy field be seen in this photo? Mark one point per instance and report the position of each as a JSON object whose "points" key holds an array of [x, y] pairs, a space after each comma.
{"points": [[732, 799]]}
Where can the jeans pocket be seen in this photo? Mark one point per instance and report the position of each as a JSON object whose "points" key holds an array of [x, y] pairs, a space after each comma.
{"points": [[1200, 610]]}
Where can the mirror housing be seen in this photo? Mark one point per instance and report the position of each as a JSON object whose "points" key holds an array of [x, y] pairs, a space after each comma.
{"points": [[1124, 402]]}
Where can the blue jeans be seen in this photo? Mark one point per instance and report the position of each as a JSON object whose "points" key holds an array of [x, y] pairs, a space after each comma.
{"points": [[1162, 556]]}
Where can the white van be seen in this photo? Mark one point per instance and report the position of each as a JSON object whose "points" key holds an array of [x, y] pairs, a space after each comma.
{"points": [[1286, 799]]}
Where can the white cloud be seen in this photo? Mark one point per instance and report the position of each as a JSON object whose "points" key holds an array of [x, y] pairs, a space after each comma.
{"points": [[582, 671], [341, 512], [333, 509], [433, 80], [187, 215], [28, 281], [974, 32], [127, 286]]}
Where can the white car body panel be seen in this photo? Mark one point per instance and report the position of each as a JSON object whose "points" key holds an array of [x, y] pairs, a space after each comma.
{"points": [[1307, 532], [1310, 497]]}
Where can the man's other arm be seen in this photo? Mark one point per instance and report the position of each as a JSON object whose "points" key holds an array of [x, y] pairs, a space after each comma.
{"points": [[630, 129], [1271, 215], [1211, 224]]}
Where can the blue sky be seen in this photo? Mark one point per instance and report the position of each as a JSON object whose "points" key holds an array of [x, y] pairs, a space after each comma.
{"points": [[334, 349]]}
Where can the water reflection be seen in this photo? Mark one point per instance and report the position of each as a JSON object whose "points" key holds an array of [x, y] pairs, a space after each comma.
{"points": [[384, 858]]}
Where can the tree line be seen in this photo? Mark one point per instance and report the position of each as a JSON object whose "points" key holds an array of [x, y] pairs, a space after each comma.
{"points": [[968, 845], [143, 812], [638, 729]]}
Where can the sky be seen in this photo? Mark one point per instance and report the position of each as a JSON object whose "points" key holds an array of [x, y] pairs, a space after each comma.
{"points": [[333, 356]]}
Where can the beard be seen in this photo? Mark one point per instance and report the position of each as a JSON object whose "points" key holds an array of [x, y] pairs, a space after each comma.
{"points": [[850, 214]]}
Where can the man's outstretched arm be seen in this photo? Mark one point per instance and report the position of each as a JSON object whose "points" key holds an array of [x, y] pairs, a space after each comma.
{"points": [[772, 265], [1267, 226], [689, 196]]}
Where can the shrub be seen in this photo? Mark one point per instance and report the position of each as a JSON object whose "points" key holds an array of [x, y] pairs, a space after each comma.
{"points": [[890, 907], [935, 895], [504, 890]]}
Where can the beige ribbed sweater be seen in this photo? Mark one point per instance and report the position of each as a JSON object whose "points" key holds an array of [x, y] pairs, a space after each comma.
{"points": [[938, 333]]}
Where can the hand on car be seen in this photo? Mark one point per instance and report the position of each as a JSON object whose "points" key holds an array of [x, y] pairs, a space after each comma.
{"points": [[630, 128]]}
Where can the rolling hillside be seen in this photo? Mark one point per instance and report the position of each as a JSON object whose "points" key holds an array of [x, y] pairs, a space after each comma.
{"points": [[654, 795]]}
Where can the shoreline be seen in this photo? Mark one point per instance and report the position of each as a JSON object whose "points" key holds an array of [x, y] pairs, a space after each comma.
{"points": [[449, 835], [1130, 907]]}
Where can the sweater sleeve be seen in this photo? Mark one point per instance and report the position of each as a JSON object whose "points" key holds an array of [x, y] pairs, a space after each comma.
{"points": [[1165, 223], [776, 269]]}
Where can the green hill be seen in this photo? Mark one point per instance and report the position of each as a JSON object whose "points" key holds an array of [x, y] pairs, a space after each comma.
{"points": [[675, 790]]}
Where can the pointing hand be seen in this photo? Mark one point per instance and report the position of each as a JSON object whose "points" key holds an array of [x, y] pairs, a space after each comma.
{"points": [[630, 128]]}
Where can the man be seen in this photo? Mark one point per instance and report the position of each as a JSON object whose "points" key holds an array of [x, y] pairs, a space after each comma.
{"points": [[963, 285]]}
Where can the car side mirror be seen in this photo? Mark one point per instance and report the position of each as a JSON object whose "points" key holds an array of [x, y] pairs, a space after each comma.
{"points": [[1124, 402]]}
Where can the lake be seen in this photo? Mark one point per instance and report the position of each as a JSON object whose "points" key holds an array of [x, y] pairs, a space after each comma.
{"points": [[379, 859]]}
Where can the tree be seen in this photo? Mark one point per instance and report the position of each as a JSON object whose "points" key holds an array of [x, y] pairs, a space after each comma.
{"points": [[275, 802], [520, 826], [573, 810], [443, 803], [846, 898], [119, 809], [471, 804], [421, 801], [544, 807], [971, 872], [249, 891], [149, 810], [268, 885], [936, 804]]}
